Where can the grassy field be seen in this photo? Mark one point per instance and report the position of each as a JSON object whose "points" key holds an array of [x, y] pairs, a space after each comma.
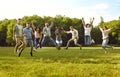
{"points": [[49, 62]]}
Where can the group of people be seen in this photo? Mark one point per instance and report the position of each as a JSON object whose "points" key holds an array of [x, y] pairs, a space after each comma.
{"points": [[23, 36]]}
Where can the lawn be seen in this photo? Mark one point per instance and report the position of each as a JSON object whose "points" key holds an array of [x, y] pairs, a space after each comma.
{"points": [[49, 62]]}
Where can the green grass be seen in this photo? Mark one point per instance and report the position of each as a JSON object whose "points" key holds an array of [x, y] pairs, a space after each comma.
{"points": [[49, 62]]}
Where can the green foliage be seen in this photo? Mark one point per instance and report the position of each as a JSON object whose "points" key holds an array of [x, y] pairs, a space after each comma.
{"points": [[9, 38], [61, 21], [3, 31]]}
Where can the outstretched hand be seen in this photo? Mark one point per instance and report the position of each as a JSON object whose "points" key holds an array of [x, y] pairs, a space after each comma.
{"points": [[82, 18]]}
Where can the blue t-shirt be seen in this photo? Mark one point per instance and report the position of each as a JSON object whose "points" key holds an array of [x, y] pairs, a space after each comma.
{"points": [[27, 33]]}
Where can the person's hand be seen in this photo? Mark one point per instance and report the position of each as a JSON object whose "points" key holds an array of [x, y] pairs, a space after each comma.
{"points": [[82, 18]]}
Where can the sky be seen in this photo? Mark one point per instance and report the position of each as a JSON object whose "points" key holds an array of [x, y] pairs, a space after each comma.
{"points": [[108, 9]]}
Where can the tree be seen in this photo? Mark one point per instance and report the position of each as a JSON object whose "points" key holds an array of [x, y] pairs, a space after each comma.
{"points": [[9, 39], [3, 32]]}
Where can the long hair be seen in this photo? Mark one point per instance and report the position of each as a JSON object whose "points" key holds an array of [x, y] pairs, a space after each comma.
{"points": [[39, 29]]}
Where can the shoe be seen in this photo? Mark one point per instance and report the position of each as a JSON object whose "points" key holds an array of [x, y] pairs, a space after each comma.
{"points": [[31, 54], [19, 52], [59, 47], [35, 50], [80, 47], [112, 47]]}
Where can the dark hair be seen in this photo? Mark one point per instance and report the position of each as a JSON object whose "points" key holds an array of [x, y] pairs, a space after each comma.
{"points": [[105, 27], [87, 25], [39, 29], [19, 19]]}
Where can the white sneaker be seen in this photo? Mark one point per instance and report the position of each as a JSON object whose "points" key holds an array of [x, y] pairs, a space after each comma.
{"points": [[35, 49]]}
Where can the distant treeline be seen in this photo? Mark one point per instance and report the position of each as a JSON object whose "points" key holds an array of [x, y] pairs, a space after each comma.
{"points": [[6, 29]]}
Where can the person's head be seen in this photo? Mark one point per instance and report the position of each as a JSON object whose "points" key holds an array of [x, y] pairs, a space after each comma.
{"points": [[88, 25], [104, 28], [19, 21], [71, 27], [38, 29], [28, 25], [46, 24]]}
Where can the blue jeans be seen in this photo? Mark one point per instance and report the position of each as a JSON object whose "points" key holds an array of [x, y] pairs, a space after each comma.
{"points": [[37, 43], [29, 42], [105, 43], [87, 40], [59, 42], [48, 39]]}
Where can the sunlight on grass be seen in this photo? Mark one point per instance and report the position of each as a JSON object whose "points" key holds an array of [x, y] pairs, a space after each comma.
{"points": [[49, 62]]}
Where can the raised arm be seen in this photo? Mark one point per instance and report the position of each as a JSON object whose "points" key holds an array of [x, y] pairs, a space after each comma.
{"points": [[91, 20], [33, 26], [83, 21], [51, 25]]}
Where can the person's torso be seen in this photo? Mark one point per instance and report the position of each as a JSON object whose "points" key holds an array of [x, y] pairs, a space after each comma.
{"points": [[19, 30], [87, 31], [27, 33], [105, 34], [37, 34], [47, 31], [74, 33]]}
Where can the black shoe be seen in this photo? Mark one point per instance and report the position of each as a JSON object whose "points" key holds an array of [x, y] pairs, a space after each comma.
{"points": [[19, 54], [20, 51], [59, 47], [80, 47], [31, 54]]}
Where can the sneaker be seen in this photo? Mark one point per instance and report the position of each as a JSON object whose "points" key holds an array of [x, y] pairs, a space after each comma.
{"points": [[35, 50], [59, 47], [80, 48], [31, 54], [19, 52], [112, 47]]}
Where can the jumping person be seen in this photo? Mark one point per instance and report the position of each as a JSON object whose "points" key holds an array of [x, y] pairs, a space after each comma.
{"points": [[87, 31], [47, 34], [105, 36], [18, 37], [28, 32], [38, 37], [74, 38], [58, 33]]}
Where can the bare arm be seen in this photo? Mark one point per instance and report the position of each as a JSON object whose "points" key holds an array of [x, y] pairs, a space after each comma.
{"points": [[33, 26], [83, 21], [51, 25], [91, 21]]}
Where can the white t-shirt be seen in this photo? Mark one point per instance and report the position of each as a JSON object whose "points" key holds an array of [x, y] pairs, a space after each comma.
{"points": [[88, 31], [105, 33]]}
